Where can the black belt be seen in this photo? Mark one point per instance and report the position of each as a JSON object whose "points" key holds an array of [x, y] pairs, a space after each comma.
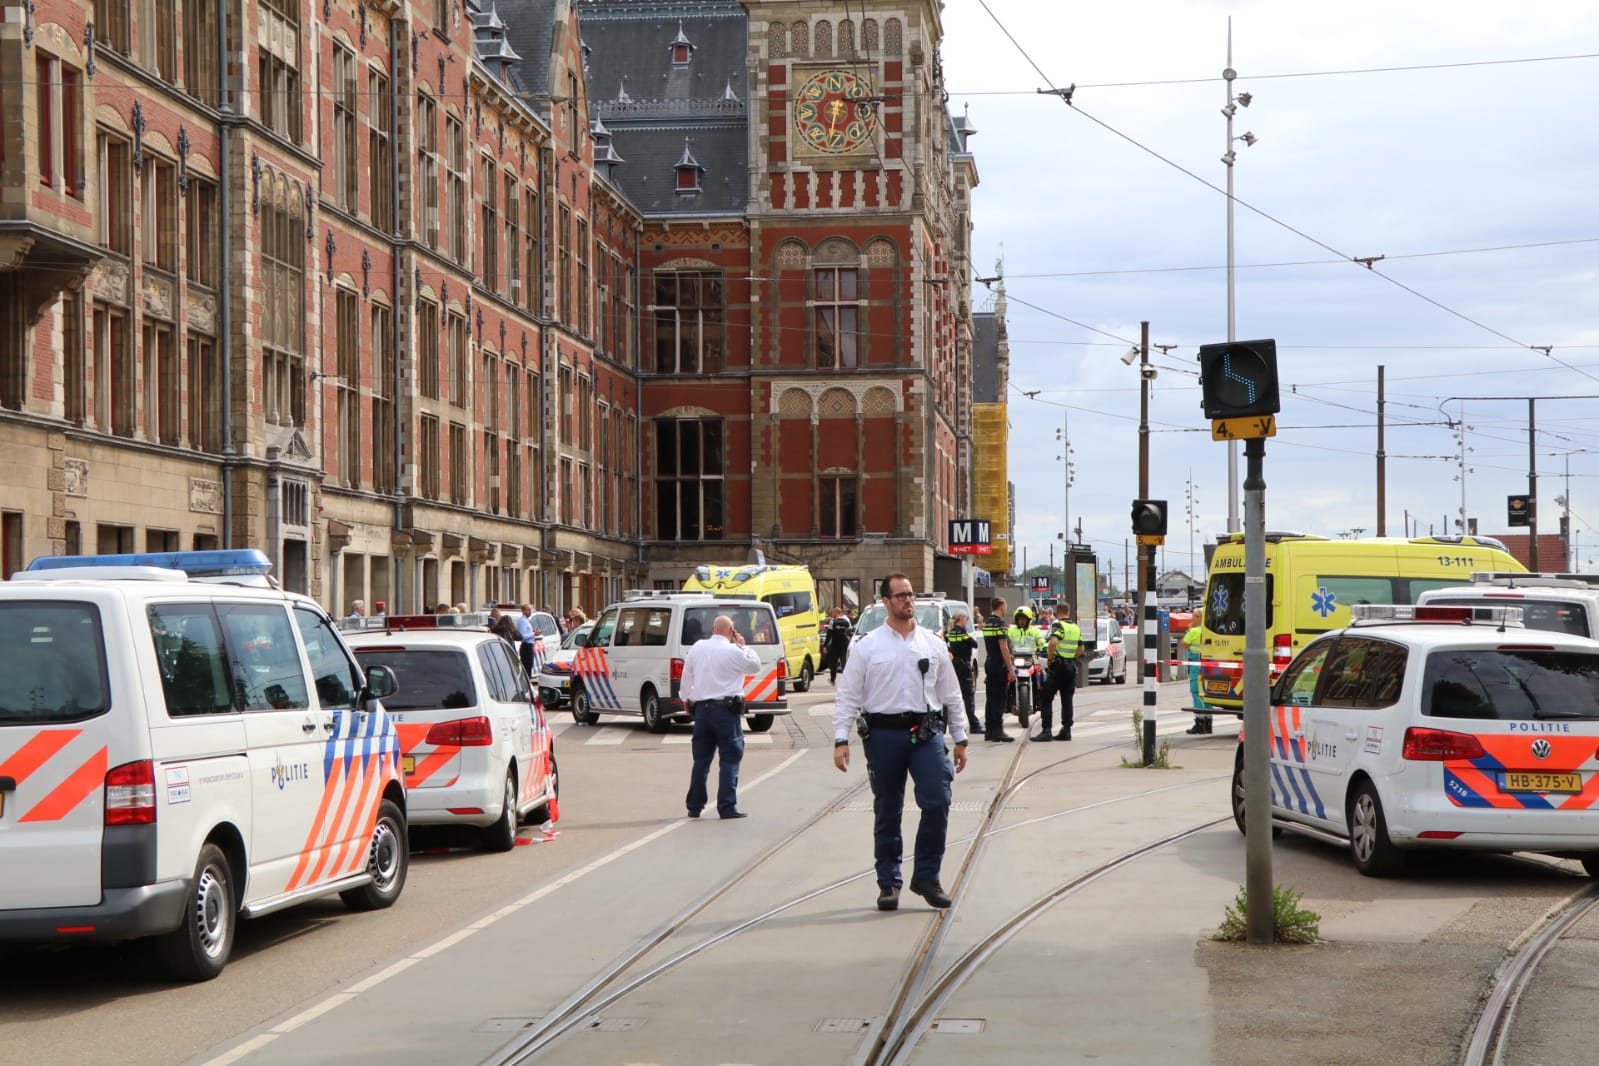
{"points": [[894, 721], [721, 701]]}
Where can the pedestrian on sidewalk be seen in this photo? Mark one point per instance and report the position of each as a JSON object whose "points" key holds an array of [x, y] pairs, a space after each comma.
{"points": [[713, 687], [899, 689]]}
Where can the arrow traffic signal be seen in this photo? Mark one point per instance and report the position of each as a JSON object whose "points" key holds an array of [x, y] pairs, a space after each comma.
{"points": [[1149, 518], [1239, 379]]}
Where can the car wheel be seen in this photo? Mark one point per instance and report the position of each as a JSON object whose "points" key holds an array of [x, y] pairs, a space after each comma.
{"points": [[388, 859], [1024, 700], [1121, 678], [198, 948], [1374, 854], [806, 676], [501, 836], [650, 705], [541, 814], [1590, 863], [1238, 795], [581, 713], [760, 723]]}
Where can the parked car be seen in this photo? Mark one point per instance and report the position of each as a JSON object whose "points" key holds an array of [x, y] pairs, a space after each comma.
{"points": [[555, 676], [1107, 661], [474, 745]]}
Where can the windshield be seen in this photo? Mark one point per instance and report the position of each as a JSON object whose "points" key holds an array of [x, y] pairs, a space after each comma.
{"points": [[572, 638], [928, 615], [1512, 684], [429, 680]]}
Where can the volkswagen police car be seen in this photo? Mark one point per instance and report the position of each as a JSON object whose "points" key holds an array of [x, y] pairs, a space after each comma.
{"points": [[183, 744], [474, 745], [1437, 726]]}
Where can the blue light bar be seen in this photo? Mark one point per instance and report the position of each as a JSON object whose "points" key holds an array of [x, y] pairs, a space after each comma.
{"points": [[232, 562]]}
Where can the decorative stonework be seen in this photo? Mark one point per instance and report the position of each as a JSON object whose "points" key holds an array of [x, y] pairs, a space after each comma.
{"points": [[791, 255], [76, 473], [836, 403], [205, 497], [201, 311], [837, 250], [881, 253], [158, 293], [878, 401], [111, 281]]}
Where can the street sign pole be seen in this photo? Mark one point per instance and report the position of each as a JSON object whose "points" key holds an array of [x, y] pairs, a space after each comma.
{"points": [[1259, 920]]}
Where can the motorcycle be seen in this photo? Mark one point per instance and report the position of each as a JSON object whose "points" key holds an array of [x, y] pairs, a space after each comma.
{"points": [[1026, 669]]}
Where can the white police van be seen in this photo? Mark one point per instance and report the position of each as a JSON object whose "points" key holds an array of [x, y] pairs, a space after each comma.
{"points": [[633, 661], [181, 744]]}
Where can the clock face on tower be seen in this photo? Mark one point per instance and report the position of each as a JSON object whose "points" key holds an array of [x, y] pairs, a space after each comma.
{"points": [[834, 113]]}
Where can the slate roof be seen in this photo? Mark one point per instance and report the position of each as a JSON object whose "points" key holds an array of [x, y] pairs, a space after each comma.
{"points": [[530, 31]]}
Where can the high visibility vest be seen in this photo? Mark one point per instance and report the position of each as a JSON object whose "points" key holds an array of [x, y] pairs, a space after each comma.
{"points": [[1068, 639], [1023, 640]]}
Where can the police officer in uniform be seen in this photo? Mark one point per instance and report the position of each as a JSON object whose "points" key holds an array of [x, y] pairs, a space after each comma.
{"points": [[1024, 640], [963, 653], [1065, 640], [998, 673], [713, 686], [901, 684], [837, 637]]}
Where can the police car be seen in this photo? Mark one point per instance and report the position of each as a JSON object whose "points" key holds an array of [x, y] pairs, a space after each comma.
{"points": [[555, 676], [1437, 726], [632, 663], [474, 745], [182, 744]]}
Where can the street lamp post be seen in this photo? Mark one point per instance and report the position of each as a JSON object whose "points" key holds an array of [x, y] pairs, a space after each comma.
{"points": [[1228, 157]]}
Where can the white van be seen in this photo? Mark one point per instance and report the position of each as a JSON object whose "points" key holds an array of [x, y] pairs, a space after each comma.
{"points": [[633, 660], [1561, 603], [176, 752]]}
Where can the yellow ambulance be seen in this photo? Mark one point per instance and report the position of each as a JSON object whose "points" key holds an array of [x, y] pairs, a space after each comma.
{"points": [[1311, 582], [792, 593]]}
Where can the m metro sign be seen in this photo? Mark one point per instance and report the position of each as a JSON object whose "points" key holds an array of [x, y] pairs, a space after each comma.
{"points": [[970, 536]]}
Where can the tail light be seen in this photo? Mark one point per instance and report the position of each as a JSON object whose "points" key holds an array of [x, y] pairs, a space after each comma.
{"points": [[1439, 745], [782, 667], [677, 669], [130, 794], [1282, 650], [461, 733]]}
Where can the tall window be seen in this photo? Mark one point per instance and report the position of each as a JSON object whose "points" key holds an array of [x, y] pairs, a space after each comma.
{"points": [[513, 240], [383, 361], [115, 399], [837, 323], [59, 91], [455, 193], [568, 491], [512, 478], [458, 367], [566, 401], [346, 161], [205, 394], [380, 150], [583, 325], [158, 226], [427, 349], [428, 456], [460, 465], [111, 25], [283, 312], [115, 217], [687, 317], [563, 236], [200, 51], [348, 342], [158, 38], [162, 383], [200, 233], [688, 479], [535, 260], [74, 360], [838, 506], [278, 67], [489, 229], [427, 168], [14, 338]]}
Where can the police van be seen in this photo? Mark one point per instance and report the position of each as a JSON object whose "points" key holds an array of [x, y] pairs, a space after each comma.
{"points": [[1311, 583], [1564, 603], [183, 744], [1429, 726], [632, 663], [791, 592]]}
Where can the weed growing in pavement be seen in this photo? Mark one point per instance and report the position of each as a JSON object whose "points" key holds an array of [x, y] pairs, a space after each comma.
{"points": [[1162, 754], [1290, 924]]}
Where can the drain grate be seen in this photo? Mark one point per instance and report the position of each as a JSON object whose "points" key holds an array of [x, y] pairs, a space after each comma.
{"points": [[959, 1025], [506, 1025], [842, 1025], [615, 1025]]}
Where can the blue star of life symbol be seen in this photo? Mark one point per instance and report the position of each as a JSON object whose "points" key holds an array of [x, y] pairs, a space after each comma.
{"points": [[1323, 602], [1218, 600]]}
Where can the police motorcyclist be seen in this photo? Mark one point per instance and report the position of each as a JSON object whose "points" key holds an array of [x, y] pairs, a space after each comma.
{"points": [[963, 652], [1024, 641], [837, 638], [1065, 640], [998, 672]]}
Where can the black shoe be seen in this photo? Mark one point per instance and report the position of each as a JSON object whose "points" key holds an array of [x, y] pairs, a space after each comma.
{"points": [[932, 892], [888, 897], [1042, 737], [1195, 730], [1064, 734], [998, 738], [693, 814], [734, 813]]}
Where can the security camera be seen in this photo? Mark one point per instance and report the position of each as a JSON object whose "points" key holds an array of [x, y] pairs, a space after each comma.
{"points": [[1131, 357]]}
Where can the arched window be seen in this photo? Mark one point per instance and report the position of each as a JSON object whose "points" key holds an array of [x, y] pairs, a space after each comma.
{"points": [[283, 300]]}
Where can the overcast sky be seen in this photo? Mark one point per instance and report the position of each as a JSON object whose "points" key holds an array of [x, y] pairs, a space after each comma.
{"points": [[1475, 178]]}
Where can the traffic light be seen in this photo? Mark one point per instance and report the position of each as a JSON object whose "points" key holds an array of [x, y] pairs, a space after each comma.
{"points": [[1149, 518], [1239, 379]]}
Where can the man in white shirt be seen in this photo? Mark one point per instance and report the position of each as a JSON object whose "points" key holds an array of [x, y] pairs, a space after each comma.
{"points": [[525, 630], [899, 678], [713, 687]]}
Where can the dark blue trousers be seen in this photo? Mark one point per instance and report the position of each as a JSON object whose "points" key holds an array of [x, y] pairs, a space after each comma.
{"points": [[890, 757], [718, 730]]}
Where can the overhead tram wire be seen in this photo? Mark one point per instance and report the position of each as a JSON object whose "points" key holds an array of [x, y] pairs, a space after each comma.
{"points": [[1065, 95]]}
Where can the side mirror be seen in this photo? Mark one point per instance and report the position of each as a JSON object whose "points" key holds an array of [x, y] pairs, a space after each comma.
{"points": [[380, 683]]}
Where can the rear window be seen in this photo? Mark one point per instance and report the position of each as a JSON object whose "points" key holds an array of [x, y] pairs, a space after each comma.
{"points": [[54, 661], [429, 679], [1535, 614], [1224, 604], [754, 623], [1511, 684], [787, 603]]}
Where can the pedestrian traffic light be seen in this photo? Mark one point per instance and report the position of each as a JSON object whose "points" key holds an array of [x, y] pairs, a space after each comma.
{"points": [[1239, 379], [1149, 518]]}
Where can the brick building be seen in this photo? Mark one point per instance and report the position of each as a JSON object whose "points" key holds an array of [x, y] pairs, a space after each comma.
{"points": [[376, 286]]}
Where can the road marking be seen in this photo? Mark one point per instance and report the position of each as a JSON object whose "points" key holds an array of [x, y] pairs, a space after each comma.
{"points": [[338, 999], [608, 736]]}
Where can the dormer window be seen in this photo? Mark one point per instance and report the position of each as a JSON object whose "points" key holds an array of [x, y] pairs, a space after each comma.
{"points": [[682, 49], [688, 173]]}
